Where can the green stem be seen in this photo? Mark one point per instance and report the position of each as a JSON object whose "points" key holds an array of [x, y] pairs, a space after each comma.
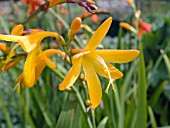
{"points": [[87, 98], [83, 108], [32, 16], [119, 38], [56, 72]]}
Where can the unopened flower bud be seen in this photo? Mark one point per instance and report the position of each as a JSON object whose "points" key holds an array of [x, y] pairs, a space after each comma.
{"points": [[4, 48], [82, 76], [90, 1], [61, 41], [18, 30], [13, 63], [127, 26], [53, 3], [137, 14], [130, 2], [88, 103], [87, 28], [75, 26]]}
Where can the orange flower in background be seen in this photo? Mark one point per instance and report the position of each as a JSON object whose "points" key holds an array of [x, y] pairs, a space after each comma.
{"points": [[33, 4], [143, 26], [93, 17]]}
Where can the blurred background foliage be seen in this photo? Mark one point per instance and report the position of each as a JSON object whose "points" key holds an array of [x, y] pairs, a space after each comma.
{"points": [[45, 106]]}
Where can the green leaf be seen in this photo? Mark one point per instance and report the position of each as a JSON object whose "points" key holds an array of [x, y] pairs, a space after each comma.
{"points": [[102, 124], [26, 112], [5, 25], [152, 117], [141, 121], [167, 61], [67, 114], [157, 93], [6, 114], [43, 107]]}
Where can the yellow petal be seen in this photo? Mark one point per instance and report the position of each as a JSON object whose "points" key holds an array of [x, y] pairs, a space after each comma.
{"points": [[70, 78], [48, 62], [98, 35], [29, 42], [77, 59], [94, 86], [41, 63], [114, 72], [8, 38], [118, 56], [29, 68], [35, 39]]}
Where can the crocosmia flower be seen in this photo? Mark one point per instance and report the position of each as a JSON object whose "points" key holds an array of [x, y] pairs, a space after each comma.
{"points": [[143, 26], [94, 61], [30, 42]]}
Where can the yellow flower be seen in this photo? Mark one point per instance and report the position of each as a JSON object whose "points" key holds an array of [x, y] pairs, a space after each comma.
{"points": [[96, 61], [39, 64], [30, 44]]}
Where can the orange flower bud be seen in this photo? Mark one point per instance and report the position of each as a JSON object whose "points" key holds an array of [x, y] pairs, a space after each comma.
{"points": [[82, 76], [17, 30], [13, 63], [91, 1], [127, 26], [87, 28], [130, 2], [53, 3], [4, 48], [75, 26], [138, 13]]}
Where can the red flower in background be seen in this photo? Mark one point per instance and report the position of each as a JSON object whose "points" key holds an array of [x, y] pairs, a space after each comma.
{"points": [[33, 4], [143, 26]]}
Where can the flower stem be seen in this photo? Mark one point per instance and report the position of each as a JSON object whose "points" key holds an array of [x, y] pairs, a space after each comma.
{"points": [[87, 98], [83, 108], [31, 16]]}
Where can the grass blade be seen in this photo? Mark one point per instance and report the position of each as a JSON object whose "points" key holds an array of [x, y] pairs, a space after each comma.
{"points": [[152, 117], [6, 114], [141, 121], [102, 124]]}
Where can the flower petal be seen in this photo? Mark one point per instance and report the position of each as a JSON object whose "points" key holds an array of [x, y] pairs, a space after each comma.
{"points": [[77, 59], [35, 39], [118, 56], [29, 68], [29, 42], [98, 35], [70, 78], [114, 72], [41, 63], [94, 86]]}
